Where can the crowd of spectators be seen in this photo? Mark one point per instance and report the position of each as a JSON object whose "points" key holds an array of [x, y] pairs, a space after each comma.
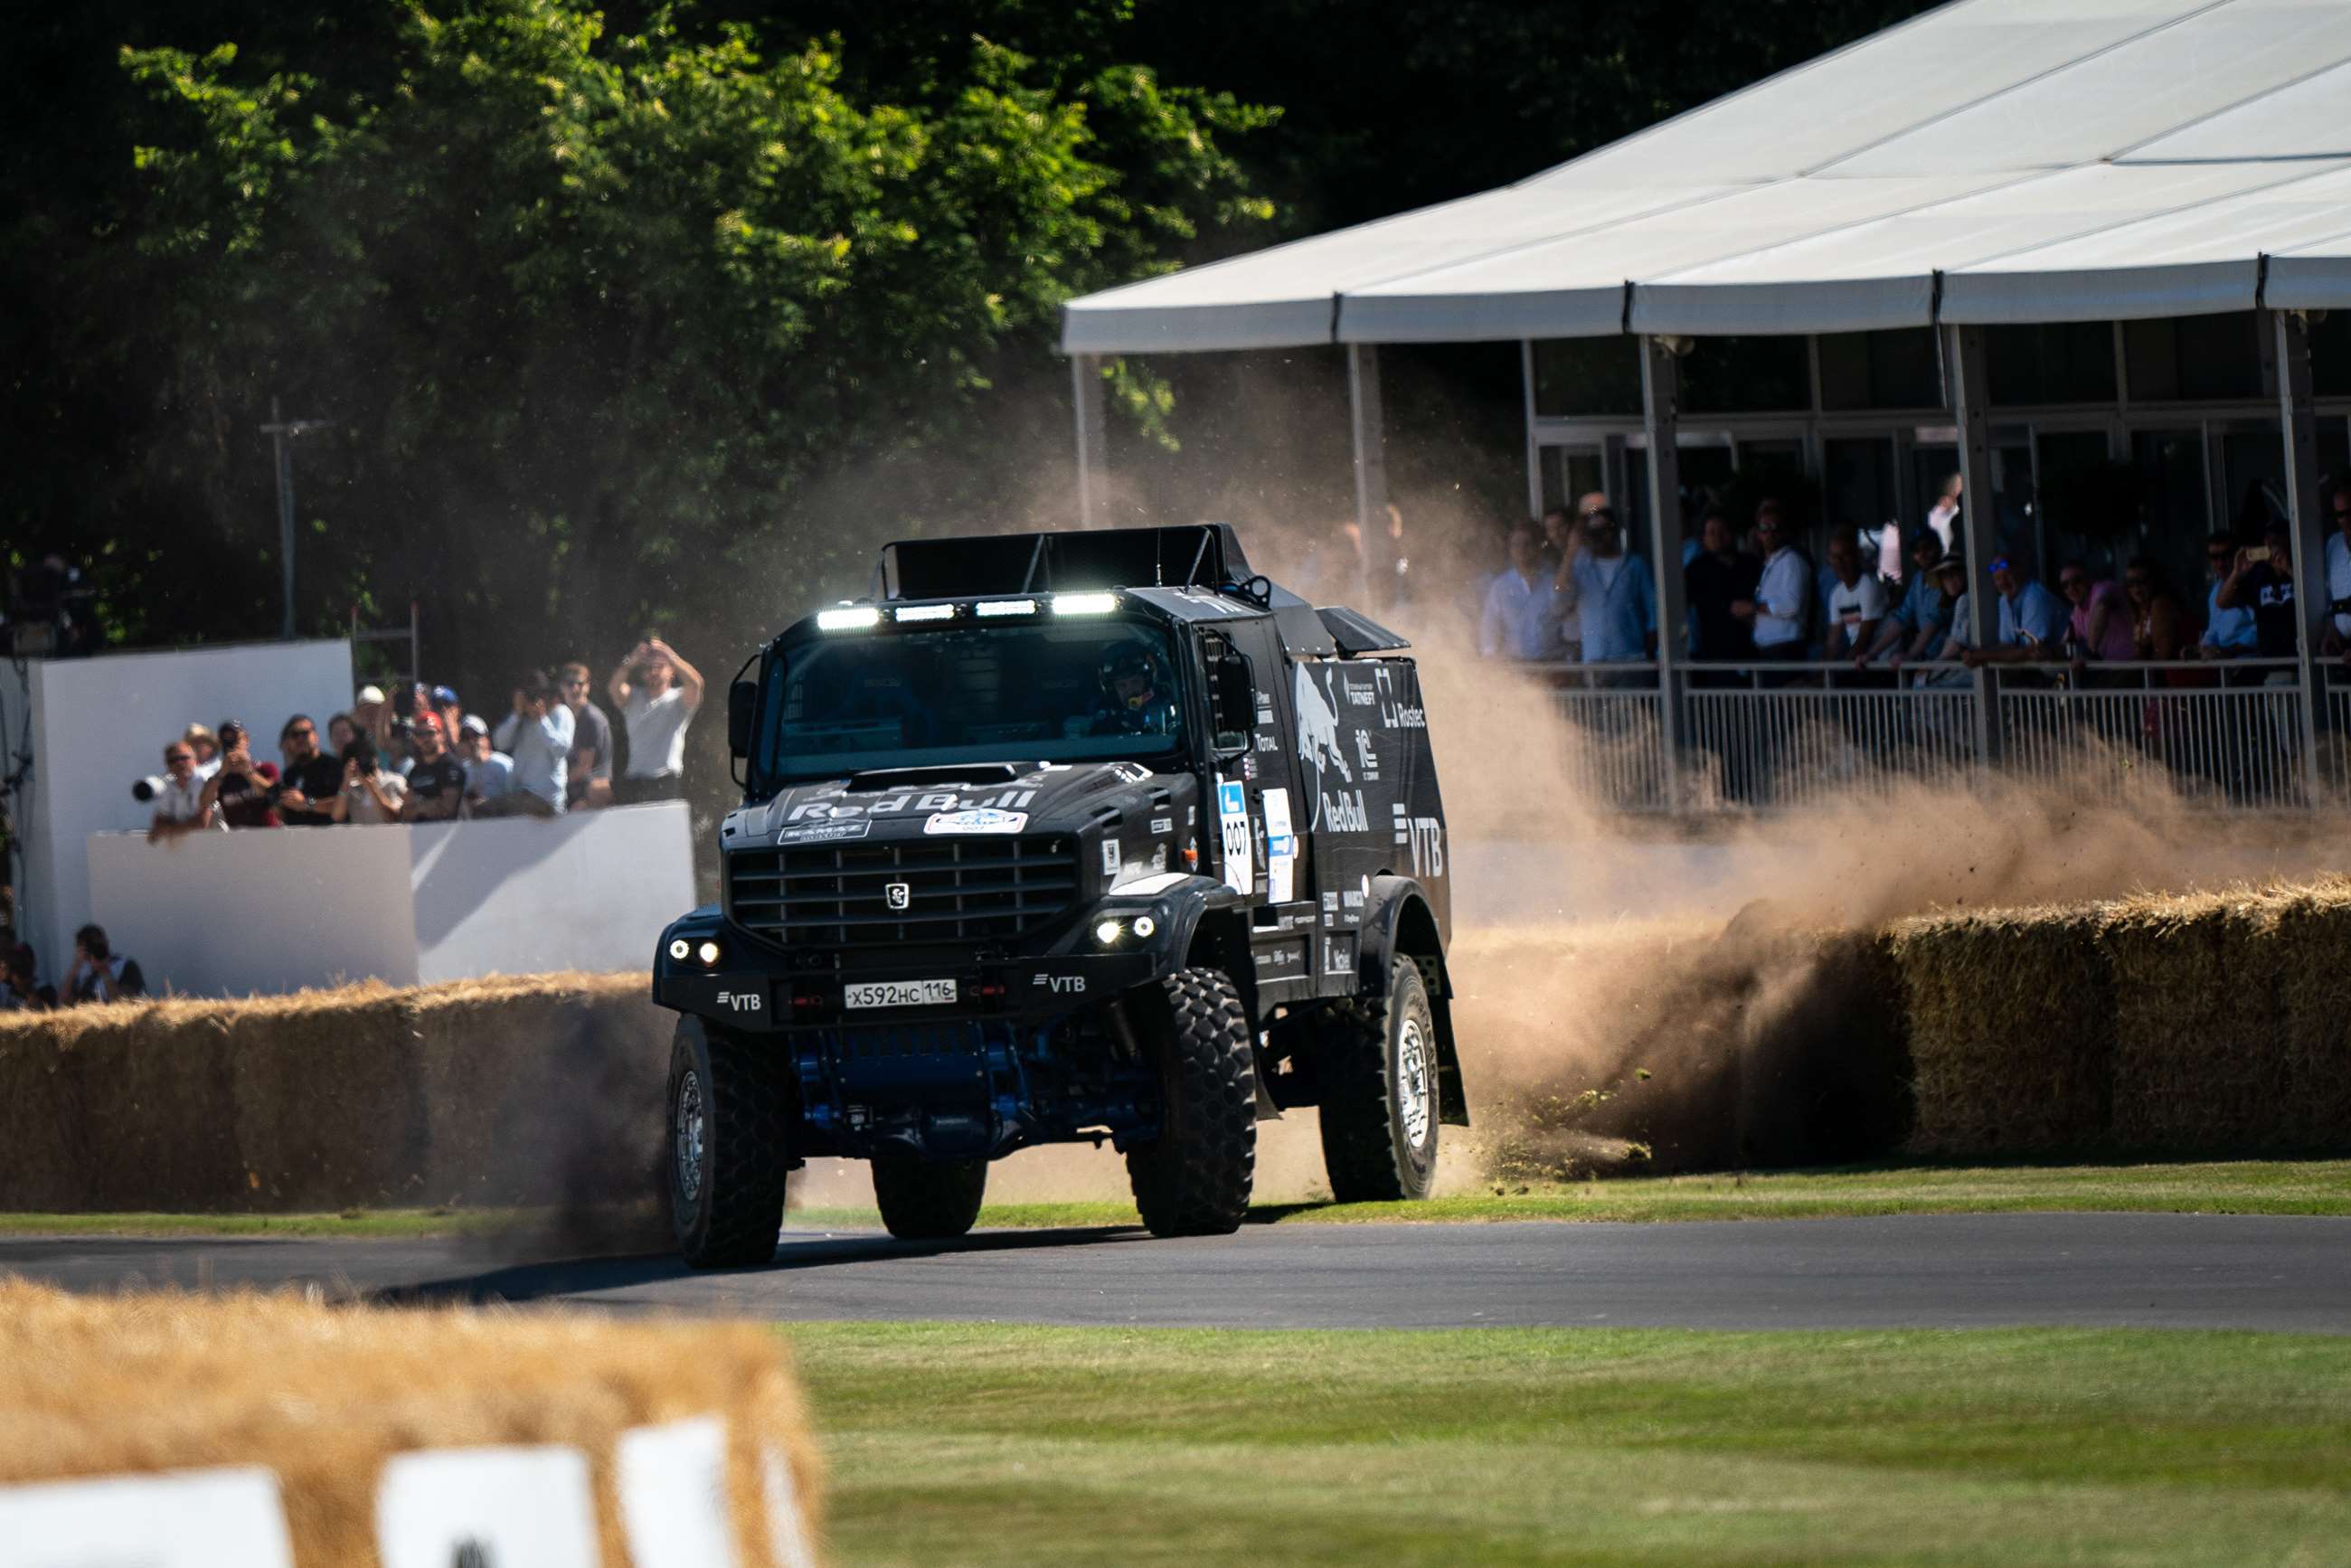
{"points": [[1571, 594], [417, 755]]}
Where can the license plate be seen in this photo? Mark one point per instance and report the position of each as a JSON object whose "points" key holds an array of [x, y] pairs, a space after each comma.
{"points": [[898, 993]]}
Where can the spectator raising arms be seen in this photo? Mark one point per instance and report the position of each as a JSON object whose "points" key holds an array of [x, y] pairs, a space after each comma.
{"points": [[1856, 600], [1611, 594], [2228, 630], [181, 805], [1523, 607], [245, 791], [2262, 583], [98, 973], [307, 783], [370, 792], [657, 706], [588, 768], [436, 785], [538, 736]]}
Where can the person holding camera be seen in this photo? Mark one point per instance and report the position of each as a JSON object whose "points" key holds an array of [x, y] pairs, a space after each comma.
{"points": [[538, 736], [657, 693], [371, 793], [245, 791], [99, 974], [436, 784], [181, 805]]}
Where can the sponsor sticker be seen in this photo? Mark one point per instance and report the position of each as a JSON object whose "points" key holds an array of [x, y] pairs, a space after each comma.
{"points": [[824, 832], [1280, 846], [982, 821], [1109, 858], [1233, 824]]}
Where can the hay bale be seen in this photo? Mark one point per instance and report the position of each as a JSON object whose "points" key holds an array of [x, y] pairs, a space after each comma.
{"points": [[323, 1396], [324, 1095], [2011, 1029], [2233, 1022]]}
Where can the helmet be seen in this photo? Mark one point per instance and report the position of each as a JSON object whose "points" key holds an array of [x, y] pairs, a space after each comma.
{"points": [[1126, 661]]}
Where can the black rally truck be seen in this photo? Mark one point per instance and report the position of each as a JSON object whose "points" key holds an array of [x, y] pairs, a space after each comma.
{"points": [[1064, 837]]}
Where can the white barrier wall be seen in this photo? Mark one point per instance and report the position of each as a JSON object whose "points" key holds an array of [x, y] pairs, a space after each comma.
{"points": [[97, 723], [275, 910]]}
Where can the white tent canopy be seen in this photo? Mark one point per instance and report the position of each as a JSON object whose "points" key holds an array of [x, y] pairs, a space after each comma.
{"points": [[1994, 161]]}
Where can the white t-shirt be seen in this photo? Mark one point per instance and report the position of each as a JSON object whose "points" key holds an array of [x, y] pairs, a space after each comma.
{"points": [[1850, 607], [656, 732], [179, 803], [360, 805]]}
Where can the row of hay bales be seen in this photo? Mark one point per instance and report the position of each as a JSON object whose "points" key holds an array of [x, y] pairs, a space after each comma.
{"points": [[537, 1090], [322, 1396], [2212, 1023]]}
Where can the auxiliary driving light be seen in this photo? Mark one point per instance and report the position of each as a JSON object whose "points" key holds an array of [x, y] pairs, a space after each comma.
{"points": [[707, 953], [1107, 931], [926, 613], [1145, 925], [848, 618], [679, 948], [992, 607], [1084, 603]]}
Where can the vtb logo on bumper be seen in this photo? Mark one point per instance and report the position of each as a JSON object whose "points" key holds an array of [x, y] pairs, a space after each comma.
{"points": [[897, 894]]}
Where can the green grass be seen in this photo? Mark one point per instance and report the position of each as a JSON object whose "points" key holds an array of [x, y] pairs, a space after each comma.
{"points": [[984, 1444], [2241, 1186]]}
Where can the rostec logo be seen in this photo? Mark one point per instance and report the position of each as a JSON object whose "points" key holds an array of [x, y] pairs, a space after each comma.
{"points": [[897, 894]]}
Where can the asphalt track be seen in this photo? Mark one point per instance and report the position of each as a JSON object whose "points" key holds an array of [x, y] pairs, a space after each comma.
{"points": [[2155, 1271]]}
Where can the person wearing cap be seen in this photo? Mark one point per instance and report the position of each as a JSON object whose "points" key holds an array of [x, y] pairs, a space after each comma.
{"points": [[200, 740], [436, 784], [1956, 637], [2032, 620], [1915, 626], [489, 773], [244, 791]]}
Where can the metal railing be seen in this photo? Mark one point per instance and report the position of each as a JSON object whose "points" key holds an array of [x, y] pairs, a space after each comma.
{"points": [[2226, 735]]}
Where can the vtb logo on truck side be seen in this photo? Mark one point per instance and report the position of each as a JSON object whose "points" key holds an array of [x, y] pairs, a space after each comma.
{"points": [[1072, 983], [742, 1001]]}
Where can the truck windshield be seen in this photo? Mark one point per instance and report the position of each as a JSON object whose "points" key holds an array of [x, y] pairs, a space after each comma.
{"points": [[1045, 691]]}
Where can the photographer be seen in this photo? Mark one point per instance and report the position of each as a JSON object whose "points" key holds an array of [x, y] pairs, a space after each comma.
{"points": [[307, 783], [538, 736], [243, 790], [436, 784], [656, 705], [369, 794], [181, 805], [98, 973]]}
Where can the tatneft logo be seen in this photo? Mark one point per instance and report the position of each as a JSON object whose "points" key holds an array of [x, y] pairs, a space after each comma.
{"points": [[897, 894]]}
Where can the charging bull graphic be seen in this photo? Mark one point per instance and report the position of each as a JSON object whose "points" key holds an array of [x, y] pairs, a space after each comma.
{"points": [[1318, 738]]}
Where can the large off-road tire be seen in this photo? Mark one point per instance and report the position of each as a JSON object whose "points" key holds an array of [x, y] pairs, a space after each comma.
{"points": [[1195, 1178], [728, 1146], [1376, 1063], [926, 1201]]}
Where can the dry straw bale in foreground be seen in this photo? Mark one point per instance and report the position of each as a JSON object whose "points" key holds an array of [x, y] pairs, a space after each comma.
{"points": [[322, 1396], [542, 1089]]}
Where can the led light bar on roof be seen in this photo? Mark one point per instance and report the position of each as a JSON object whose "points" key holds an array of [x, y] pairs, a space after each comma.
{"points": [[926, 613], [1005, 607], [1084, 603], [848, 618]]}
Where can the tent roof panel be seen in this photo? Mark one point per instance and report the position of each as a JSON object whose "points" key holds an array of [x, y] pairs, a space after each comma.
{"points": [[2051, 159]]}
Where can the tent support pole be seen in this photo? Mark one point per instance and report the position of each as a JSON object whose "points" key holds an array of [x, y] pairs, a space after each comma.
{"points": [[1534, 452], [1368, 428], [2306, 511], [1661, 412], [1963, 354], [1086, 394]]}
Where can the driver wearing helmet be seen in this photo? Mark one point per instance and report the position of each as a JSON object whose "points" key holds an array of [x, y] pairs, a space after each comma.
{"points": [[1136, 699]]}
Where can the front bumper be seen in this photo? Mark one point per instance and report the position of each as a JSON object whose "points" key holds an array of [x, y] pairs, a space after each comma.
{"points": [[758, 998]]}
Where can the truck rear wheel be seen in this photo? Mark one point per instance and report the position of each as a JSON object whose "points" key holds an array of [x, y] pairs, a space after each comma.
{"points": [[927, 1201], [729, 1147], [1195, 1178], [1377, 1064]]}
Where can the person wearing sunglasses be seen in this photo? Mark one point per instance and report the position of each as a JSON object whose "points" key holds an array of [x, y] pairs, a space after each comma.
{"points": [[180, 804], [2229, 630], [310, 779]]}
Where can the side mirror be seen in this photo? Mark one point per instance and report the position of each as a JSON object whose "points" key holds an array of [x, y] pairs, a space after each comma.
{"points": [[1232, 696], [742, 707]]}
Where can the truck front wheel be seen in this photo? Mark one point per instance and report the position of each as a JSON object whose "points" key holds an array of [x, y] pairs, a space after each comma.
{"points": [[922, 1200], [729, 1147], [1377, 1064], [1195, 1178]]}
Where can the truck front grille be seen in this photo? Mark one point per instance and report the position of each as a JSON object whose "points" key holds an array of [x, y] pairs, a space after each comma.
{"points": [[957, 890]]}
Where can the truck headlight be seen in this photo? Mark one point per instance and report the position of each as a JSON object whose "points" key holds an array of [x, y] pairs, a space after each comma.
{"points": [[679, 948], [708, 954], [1145, 925], [1107, 931]]}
